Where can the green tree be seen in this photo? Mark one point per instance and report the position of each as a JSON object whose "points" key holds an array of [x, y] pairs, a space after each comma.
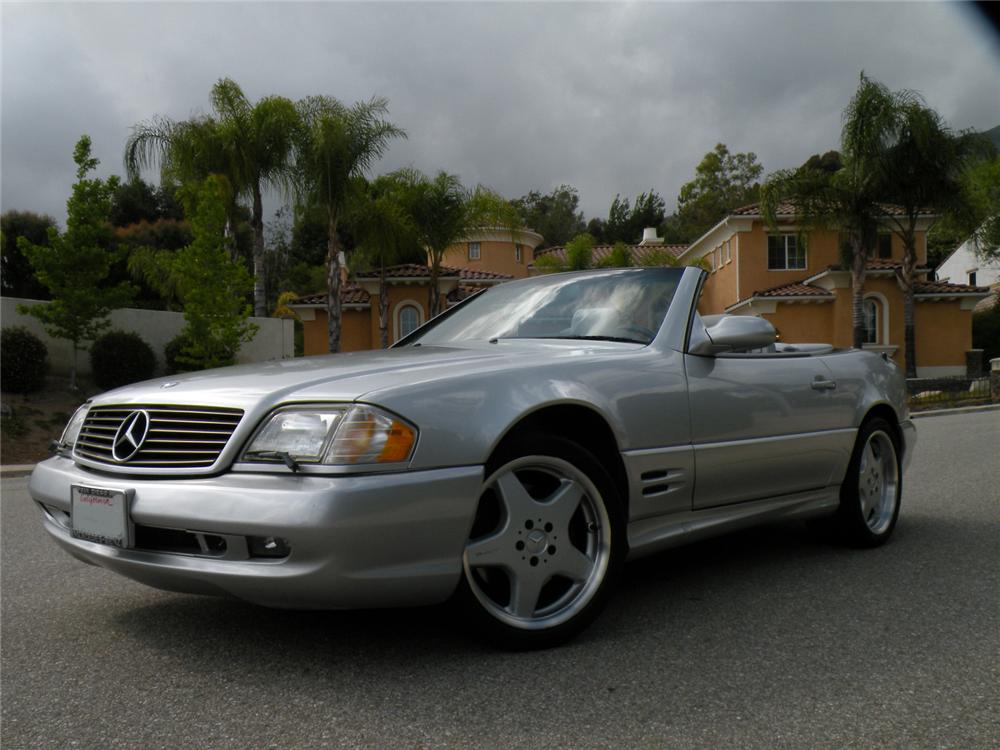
{"points": [[619, 257], [723, 181], [580, 253], [212, 289], [922, 168], [249, 143], [556, 216], [444, 213], [334, 145], [380, 222], [850, 198], [74, 265], [17, 278], [626, 220]]}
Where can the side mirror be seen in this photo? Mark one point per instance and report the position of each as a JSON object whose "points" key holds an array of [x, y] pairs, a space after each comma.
{"points": [[732, 333]]}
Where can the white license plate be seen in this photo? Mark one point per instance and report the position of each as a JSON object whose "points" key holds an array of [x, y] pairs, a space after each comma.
{"points": [[101, 515]]}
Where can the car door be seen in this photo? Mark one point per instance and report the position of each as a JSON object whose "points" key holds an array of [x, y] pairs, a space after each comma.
{"points": [[762, 425]]}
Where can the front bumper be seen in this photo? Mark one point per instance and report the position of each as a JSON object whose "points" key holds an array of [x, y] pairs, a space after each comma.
{"points": [[356, 541]]}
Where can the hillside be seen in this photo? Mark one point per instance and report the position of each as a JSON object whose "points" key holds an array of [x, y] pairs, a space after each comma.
{"points": [[994, 135]]}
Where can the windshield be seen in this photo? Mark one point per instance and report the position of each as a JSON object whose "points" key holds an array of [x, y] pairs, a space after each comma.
{"points": [[622, 305]]}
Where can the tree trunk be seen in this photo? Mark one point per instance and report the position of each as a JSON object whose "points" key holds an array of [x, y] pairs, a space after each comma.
{"points": [[257, 220], [435, 300], [333, 284], [383, 307], [72, 369], [909, 337], [858, 292]]}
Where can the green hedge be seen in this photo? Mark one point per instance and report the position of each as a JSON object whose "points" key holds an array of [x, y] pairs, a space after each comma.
{"points": [[118, 358], [24, 360]]}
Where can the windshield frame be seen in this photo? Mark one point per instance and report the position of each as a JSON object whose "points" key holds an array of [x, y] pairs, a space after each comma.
{"points": [[682, 276]]}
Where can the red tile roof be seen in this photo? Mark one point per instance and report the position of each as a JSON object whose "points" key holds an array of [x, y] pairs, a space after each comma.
{"points": [[944, 287], [418, 271], [600, 252], [878, 264], [797, 289], [469, 274], [461, 292], [350, 294], [787, 208]]}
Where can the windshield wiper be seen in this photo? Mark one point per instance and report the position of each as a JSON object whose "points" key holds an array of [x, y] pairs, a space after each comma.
{"points": [[621, 339]]}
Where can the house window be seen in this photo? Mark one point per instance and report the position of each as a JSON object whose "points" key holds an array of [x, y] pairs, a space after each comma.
{"points": [[473, 251], [871, 315], [883, 250], [728, 250], [785, 253], [407, 320], [972, 278], [517, 253]]}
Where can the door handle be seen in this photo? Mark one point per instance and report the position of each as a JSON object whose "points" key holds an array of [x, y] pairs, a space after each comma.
{"points": [[819, 384]]}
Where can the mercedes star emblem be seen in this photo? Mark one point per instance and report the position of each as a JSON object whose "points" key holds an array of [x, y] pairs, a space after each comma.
{"points": [[130, 436]]}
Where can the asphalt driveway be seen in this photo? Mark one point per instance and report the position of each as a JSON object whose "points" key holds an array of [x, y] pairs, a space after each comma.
{"points": [[767, 639]]}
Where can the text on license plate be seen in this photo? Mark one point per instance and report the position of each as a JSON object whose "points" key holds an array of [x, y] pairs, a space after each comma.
{"points": [[101, 515]]}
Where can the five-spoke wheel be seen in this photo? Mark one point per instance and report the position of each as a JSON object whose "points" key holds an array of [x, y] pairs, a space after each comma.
{"points": [[546, 539], [870, 494]]}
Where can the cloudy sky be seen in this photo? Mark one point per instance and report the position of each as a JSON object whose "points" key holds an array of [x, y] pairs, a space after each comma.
{"points": [[610, 98]]}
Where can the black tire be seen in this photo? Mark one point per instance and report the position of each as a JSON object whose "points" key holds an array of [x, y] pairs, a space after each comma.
{"points": [[859, 522], [541, 464]]}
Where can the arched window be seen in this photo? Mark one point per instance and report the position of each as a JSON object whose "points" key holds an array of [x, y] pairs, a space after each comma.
{"points": [[872, 321], [407, 320]]}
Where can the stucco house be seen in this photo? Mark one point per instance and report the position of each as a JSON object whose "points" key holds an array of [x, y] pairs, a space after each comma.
{"points": [[800, 284], [966, 266], [483, 259]]}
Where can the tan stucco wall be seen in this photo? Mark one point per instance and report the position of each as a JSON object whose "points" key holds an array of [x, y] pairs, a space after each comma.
{"points": [[355, 334], [496, 257], [798, 323], [822, 251], [720, 287], [944, 333], [398, 295]]}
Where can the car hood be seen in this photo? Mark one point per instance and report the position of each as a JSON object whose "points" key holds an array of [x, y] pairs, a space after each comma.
{"points": [[344, 377]]}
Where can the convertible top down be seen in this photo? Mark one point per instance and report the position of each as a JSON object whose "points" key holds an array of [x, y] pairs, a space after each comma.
{"points": [[512, 452]]}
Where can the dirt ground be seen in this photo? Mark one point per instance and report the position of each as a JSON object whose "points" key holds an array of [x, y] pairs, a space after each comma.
{"points": [[31, 422]]}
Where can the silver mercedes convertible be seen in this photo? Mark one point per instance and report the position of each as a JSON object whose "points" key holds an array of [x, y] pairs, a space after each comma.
{"points": [[513, 453]]}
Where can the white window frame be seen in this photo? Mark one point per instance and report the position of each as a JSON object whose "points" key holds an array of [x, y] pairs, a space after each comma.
{"points": [[397, 316], [517, 253], [881, 318], [728, 248], [784, 239], [475, 251]]}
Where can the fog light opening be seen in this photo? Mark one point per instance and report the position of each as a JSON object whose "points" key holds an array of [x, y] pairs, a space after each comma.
{"points": [[268, 546]]}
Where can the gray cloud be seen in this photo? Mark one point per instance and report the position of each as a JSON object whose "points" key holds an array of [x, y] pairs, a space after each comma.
{"points": [[609, 98]]}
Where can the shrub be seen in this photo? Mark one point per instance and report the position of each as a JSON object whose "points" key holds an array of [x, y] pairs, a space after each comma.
{"points": [[177, 360], [25, 360], [118, 358]]}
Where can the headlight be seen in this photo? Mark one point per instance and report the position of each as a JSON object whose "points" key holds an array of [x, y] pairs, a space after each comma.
{"points": [[72, 429], [335, 436]]}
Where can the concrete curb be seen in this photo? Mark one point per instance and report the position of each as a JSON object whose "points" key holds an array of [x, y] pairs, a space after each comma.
{"points": [[959, 410], [16, 470]]}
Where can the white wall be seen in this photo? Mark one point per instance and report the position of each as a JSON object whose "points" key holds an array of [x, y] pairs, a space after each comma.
{"points": [[274, 340], [957, 266]]}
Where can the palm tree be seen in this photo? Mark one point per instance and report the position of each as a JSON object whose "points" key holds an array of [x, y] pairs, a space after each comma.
{"points": [[334, 145], [849, 198], [923, 170], [444, 213], [250, 144], [378, 219]]}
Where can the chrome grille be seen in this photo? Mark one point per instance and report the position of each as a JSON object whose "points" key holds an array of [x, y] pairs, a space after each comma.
{"points": [[179, 436]]}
